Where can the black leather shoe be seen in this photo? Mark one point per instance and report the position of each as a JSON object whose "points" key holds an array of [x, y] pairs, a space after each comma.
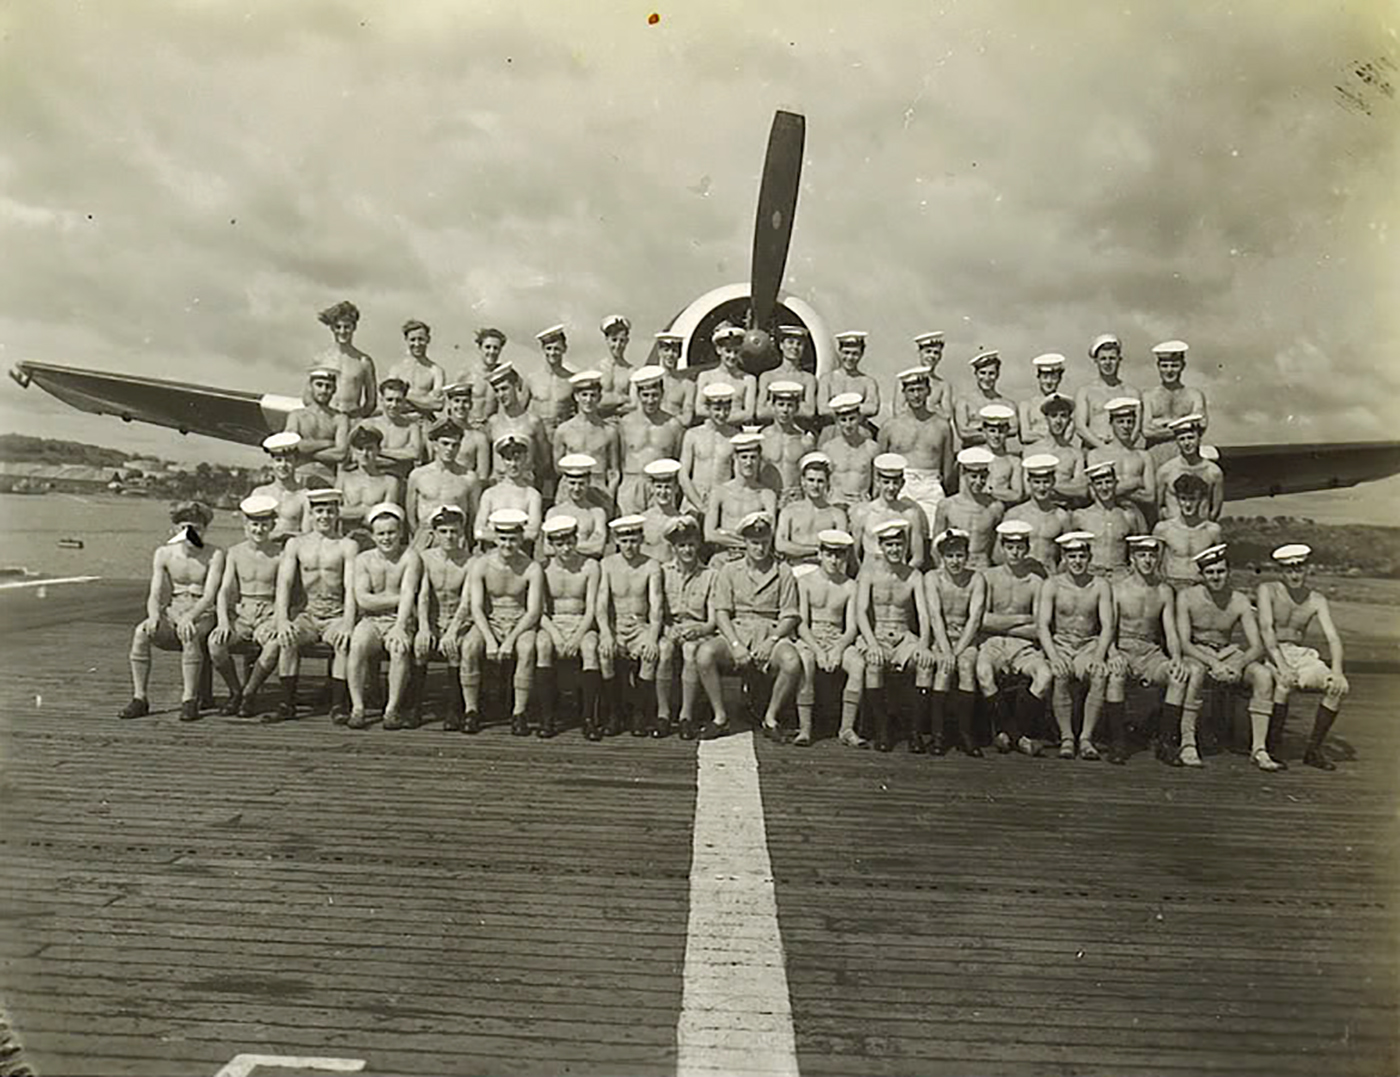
{"points": [[189, 710], [661, 729], [519, 726], [137, 708], [285, 712], [339, 715], [1313, 757], [687, 730], [917, 745], [232, 705], [472, 722], [711, 730], [453, 722]]}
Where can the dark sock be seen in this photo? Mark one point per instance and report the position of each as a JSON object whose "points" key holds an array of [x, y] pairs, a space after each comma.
{"points": [[456, 702], [546, 694], [1169, 724], [1117, 723], [289, 691], [1277, 720], [1029, 708], [1005, 716], [964, 703], [339, 692], [937, 714], [877, 700], [590, 682], [1321, 724]]}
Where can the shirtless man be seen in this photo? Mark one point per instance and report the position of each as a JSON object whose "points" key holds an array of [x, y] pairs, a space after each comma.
{"points": [[366, 486], [286, 488], [663, 506], [1207, 615], [852, 449], [647, 434], [707, 457], [677, 387], [587, 434], [511, 490], [506, 591], [686, 583], [940, 395], [324, 432], [1170, 400], [1091, 421], [1009, 628], [474, 456], [1188, 533], [784, 442], [967, 411], [583, 504], [441, 481], [185, 575], [1136, 473], [319, 569], [617, 371], [355, 388], [386, 591], [847, 377], [972, 509], [737, 499], [402, 446], [552, 389], [1110, 521], [892, 615], [756, 612], [1075, 628], [1071, 486], [727, 340], [1049, 373], [568, 629], [442, 612], [630, 609], [1188, 460], [513, 416], [490, 343], [1286, 608], [801, 522], [826, 634], [424, 378], [956, 597], [888, 504], [1004, 472], [792, 341], [247, 608], [1047, 517], [925, 440]]}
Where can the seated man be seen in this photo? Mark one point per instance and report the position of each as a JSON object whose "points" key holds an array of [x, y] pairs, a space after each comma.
{"points": [[568, 629], [756, 611], [1286, 608], [1206, 618], [586, 505], [386, 589], [318, 567], [956, 596], [800, 523], [894, 632], [247, 609], [185, 575], [442, 613], [1187, 533], [1075, 624], [686, 583], [630, 607], [826, 630]]}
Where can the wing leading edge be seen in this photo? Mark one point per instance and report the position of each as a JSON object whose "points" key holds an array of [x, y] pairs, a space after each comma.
{"points": [[1260, 470]]}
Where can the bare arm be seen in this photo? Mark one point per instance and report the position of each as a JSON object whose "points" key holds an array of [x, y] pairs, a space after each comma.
{"points": [[286, 577], [1108, 616], [1333, 637], [1082, 407], [863, 615], [975, 612]]}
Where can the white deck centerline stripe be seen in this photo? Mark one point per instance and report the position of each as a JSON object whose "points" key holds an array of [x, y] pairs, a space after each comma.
{"points": [[45, 583], [242, 1065], [736, 1013]]}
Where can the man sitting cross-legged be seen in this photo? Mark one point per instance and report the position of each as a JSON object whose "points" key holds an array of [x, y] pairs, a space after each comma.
{"points": [[826, 597], [1075, 624], [1286, 608], [956, 596], [443, 611], [386, 589], [686, 583], [894, 630], [507, 599], [756, 611], [568, 629], [185, 575], [318, 566], [247, 607], [630, 607]]}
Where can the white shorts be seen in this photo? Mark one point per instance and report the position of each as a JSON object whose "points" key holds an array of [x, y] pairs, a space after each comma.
{"points": [[1311, 670], [924, 487]]}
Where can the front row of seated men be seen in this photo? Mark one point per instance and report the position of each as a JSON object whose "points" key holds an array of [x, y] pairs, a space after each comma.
{"points": [[915, 646]]}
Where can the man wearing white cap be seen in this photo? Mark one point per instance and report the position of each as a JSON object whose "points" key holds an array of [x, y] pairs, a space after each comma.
{"points": [[441, 481], [1090, 419], [185, 576], [784, 442], [324, 431], [366, 485], [728, 340], [568, 629], [490, 343], [425, 379], [852, 449], [1004, 479], [663, 506], [1188, 460], [582, 503], [506, 590], [706, 453], [247, 605], [792, 340], [1009, 630], [1286, 608], [551, 389], [940, 396], [617, 371], [588, 434], [1170, 400], [1110, 520], [511, 490], [972, 508], [1207, 615], [925, 440], [286, 487], [677, 386], [316, 596], [967, 409], [402, 447], [355, 386], [888, 504], [800, 522], [1187, 533], [647, 434], [741, 496], [1075, 626], [475, 452], [1049, 373], [630, 610], [689, 619], [847, 377], [1061, 442], [442, 616], [386, 594], [826, 632], [1136, 473], [1042, 509], [512, 416], [956, 597]]}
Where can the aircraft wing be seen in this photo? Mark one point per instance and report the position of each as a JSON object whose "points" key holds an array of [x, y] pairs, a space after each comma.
{"points": [[226, 414], [1259, 470]]}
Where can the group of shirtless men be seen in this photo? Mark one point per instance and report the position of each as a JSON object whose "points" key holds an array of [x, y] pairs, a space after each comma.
{"points": [[728, 523]]}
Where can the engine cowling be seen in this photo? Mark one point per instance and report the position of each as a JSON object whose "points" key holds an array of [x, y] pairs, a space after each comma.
{"points": [[730, 302]]}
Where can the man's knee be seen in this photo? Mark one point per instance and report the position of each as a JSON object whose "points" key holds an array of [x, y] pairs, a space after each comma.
{"points": [[786, 659], [544, 650]]}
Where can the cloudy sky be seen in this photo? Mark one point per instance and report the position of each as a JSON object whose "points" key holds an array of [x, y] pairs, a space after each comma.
{"points": [[183, 185]]}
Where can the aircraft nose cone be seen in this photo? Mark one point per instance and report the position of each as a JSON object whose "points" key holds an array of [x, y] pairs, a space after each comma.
{"points": [[756, 344]]}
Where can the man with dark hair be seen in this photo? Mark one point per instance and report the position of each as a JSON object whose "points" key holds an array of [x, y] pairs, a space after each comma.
{"points": [[1187, 533], [365, 486], [552, 389], [967, 409], [441, 481], [513, 416], [442, 614], [490, 342], [588, 434], [1187, 431], [324, 432], [402, 431], [1060, 442], [355, 388], [424, 378]]}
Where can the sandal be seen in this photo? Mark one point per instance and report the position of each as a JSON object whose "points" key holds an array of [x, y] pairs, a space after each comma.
{"points": [[802, 740], [851, 739], [1067, 748], [1088, 751], [1190, 757]]}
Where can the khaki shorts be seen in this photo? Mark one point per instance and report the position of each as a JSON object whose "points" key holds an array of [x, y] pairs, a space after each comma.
{"points": [[753, 633], [1010, 654], [1078, 653], [899, 648], [254, 621], [1146, 659], [165, 636], [827, 635], [312, 628]]}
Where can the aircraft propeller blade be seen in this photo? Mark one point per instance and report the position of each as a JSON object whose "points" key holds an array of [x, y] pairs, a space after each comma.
{"points": [[777, 204]]}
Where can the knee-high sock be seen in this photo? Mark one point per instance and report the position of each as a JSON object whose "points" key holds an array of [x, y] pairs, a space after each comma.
{"points": [[590, 681], [938, 715], [850, 704], [289, 691], [1029, 708], [1277, 720], [1177, 726], [546, 693], [339, 689], [1321, 724], [1258, 729]]}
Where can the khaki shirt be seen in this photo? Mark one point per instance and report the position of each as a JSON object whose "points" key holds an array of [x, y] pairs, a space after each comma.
{"points": [[687, 597], [747, 594]]}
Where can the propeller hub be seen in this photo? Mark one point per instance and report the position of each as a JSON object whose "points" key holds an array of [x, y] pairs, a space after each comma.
{"points": [[756, 344]]}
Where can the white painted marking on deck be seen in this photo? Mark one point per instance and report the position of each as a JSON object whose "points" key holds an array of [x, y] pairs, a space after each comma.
{"points": [[736, 1013], [242, 1065], [46, 583]]}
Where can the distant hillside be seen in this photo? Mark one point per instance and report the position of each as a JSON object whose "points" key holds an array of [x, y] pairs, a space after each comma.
{"points": [[23, 449], [1343, 549]]}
